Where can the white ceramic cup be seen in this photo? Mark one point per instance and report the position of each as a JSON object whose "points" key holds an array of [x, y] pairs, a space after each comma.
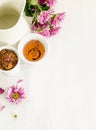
{"points": [[11, 9], [16, 68], [25, 40]]}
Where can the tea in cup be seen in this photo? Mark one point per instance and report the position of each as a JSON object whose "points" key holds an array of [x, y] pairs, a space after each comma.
{"points": [[33, 48], [9, 60]]}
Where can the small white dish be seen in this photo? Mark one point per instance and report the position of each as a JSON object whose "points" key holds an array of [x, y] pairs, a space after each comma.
{"points": [[15, 69], [28, 38]]}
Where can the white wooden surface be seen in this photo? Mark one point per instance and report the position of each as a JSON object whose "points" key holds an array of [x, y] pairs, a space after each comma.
{"points": [[62, 89]]}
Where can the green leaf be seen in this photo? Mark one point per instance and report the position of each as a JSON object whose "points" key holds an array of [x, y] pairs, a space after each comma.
{"points": [[27, 10], [45, 7], [33, 2]]}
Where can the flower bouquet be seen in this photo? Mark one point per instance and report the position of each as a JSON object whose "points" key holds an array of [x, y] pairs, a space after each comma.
{"points": [[44, 20]]}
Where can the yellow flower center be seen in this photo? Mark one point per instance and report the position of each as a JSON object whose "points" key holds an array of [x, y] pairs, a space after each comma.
{"points": [[15, 95]]}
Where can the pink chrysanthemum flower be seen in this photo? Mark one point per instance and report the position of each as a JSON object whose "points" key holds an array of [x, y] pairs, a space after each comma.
{"points": [[1, 91], [54, 31], [41, 1], [38, 27], [15, 94], [55, 21], [51, 3], [45, 32], [1, 107], [34, 27], [44, 16]]}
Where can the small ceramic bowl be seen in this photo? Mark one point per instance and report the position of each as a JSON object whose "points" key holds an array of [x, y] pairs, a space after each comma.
{"points": [[15, 68], [25, 41]]}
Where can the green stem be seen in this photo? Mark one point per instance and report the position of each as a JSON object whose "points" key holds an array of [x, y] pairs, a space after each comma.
{"points": [[50, 24], [39, 8]]}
